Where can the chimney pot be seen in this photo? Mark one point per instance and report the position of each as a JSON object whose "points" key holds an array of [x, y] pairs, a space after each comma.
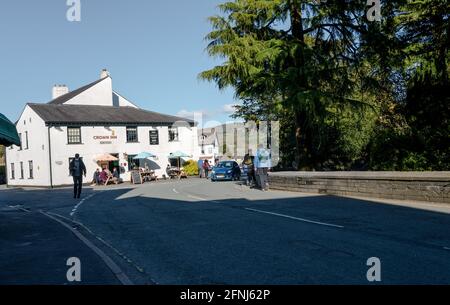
{"points": [[59, 90], [104, 73]]}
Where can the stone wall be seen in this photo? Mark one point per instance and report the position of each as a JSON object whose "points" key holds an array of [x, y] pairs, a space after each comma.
{"points": [[418, 186]]}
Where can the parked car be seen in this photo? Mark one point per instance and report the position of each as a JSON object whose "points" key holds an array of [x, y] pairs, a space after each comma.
{"points": [[226, 170]]}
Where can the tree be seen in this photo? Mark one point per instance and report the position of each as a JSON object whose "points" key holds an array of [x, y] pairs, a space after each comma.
{"points": [[343, 87], [295, 57]]}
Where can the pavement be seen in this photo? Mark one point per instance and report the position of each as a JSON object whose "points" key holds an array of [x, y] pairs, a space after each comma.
{"points": [[198, 232]]}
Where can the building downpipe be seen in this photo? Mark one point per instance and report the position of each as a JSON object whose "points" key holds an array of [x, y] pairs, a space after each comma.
{"points": [[50, 158]]}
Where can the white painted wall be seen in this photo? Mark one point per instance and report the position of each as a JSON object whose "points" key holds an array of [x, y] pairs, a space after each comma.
{"points": [[100, 94], [120, 101], [61, 151], [91, 148], [37, 151], [211, 151]]}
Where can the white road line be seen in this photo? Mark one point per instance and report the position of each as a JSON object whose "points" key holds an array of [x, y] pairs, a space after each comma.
{"points": [[202, 199], [296, 218], [175, 191], [120, 275], [74, 210]]}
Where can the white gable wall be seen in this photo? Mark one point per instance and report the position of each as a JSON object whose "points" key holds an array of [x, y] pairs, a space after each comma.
{"points": [[100, 94], [37, 151], [120, 101]]}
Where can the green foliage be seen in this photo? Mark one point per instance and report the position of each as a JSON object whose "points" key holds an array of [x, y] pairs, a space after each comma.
{"points": [[349, 93], [190, 168]]}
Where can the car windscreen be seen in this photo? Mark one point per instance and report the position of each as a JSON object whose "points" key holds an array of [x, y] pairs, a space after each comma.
{"points": [[225, 165]]}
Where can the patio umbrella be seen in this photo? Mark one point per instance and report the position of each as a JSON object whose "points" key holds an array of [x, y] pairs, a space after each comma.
{"points": [[106, 158], [178, 155], [144, 155], [8, 132]]}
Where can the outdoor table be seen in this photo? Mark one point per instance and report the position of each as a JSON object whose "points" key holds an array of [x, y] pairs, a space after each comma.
{"points": [[148, 175]]}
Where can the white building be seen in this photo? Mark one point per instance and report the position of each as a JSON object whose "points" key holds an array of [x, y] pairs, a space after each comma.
{"points": [[92, 120], [208, 144]]}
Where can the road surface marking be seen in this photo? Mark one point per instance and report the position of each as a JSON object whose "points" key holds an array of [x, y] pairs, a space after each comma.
{"points": [[74, 210], [296, 218], [175, 191], [202, 199], [120, 275], [123, 256]]}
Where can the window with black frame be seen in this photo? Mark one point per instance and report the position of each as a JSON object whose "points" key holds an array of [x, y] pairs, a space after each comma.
{"points": [[132, 135], [30, 167], [173, 134], [73, 135], [13, 172]]}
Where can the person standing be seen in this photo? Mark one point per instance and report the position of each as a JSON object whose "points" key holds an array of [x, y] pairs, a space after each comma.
{"points": [[77, 171], [200, 168], [249, 160], [263, 162]]}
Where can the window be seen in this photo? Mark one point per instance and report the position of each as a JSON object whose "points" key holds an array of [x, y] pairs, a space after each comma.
{"points": [[154, 137], [132, 163], [132, 135], [26, 139], [21, 170], [30, 168], [210, 150], [13, 172], [173, 134], [73, 135], [20, 139]]}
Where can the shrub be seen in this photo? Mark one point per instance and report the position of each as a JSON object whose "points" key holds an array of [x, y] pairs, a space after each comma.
{"points": [[190, 168]]}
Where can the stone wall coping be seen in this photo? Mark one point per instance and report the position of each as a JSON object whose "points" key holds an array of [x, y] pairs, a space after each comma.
{"points": [[405, 176]]}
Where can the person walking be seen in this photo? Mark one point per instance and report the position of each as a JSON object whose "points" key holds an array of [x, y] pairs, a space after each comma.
{"points": [[263, 162], [77, 171], [206, 168]]}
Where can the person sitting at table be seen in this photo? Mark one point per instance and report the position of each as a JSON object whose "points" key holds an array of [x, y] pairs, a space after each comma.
{"points": [[103, 176], [116, 176], [96, 177]]}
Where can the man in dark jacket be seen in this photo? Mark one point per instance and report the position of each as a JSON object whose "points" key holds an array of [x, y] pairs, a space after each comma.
{"points": [[77, 171]]}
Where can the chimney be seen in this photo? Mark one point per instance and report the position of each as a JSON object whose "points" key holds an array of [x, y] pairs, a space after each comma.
{"points": [[104, 74], [59, 90]]}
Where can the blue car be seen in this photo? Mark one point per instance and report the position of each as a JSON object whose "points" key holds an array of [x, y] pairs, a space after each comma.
{"points": [[226, 170]]}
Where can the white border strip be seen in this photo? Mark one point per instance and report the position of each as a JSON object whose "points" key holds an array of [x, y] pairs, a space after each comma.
{"points": [[296, 218], [106, 259]]}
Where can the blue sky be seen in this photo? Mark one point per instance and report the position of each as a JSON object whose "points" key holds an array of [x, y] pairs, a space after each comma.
{"points": [[154, 50]]}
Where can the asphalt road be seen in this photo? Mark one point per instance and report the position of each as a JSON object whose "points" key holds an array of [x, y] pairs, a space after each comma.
{"points": [[198, 232]]}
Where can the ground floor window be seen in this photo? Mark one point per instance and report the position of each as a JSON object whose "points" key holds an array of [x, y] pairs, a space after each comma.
{"points": [[21, 170], [13, 173], [132, 163], [30, 168]]}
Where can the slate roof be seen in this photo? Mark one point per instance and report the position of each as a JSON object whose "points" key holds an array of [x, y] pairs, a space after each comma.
{"points": [[207, 137], [54, 114]]}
